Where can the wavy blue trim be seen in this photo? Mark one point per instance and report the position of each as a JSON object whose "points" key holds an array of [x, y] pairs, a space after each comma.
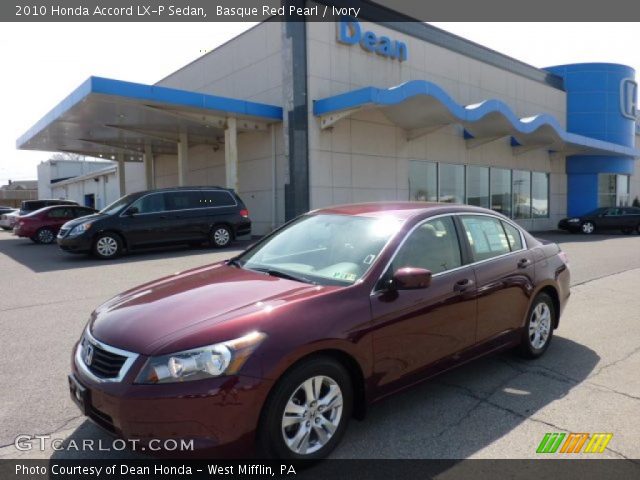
{"points": [[153, 93], [465, 114]]}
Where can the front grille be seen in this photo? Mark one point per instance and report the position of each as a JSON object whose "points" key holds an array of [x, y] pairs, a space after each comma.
{"points": [[102, 363]]}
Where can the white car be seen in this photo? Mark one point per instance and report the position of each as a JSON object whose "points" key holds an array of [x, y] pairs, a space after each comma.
{"points": [[8, 220]]}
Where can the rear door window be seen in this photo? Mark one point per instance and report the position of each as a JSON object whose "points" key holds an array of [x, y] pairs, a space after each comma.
{"points": [[183, 200], [61, 213], [486, 237], [513, 236], [217, 198]]}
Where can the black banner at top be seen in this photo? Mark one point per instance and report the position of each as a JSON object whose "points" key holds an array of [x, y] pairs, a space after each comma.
{"points": [[318, 10]]}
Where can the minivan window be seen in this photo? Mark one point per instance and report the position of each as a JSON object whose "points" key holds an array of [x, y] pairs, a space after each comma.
{"points": [[152, 203], [433, 245], [116, 206], [486, 237], [217, 198], [183, 200]]}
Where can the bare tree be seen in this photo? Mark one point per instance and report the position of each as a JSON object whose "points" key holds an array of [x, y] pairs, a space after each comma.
{"points": [[67, 156]]}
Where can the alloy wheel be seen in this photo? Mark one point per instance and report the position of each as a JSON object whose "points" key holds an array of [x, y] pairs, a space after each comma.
{"points": [[45, 236], [221, 236], [106, 246], [588, 227], [312, 415], [540, 326]]}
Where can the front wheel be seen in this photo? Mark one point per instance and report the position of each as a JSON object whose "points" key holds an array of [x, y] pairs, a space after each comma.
{"points": [[307, 413], [588, 228], [538, 330], [220, 236], [107, 246]]}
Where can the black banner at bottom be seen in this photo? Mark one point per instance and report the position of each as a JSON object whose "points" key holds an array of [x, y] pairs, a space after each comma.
{"points": [[564, 469]]}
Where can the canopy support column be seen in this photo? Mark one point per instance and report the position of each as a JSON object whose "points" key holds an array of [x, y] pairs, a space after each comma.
{"points": [[183, 159], [148, 166], [231, 153], [122, 175]]}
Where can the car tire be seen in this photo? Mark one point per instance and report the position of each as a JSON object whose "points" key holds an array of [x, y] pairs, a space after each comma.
{"points": [[294, 428], [107, 246], [6, 228], [45, 236], [220, 236], [588, 227], [538, 329]]}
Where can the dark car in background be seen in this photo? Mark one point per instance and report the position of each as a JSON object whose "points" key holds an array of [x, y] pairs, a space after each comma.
{"points": [[183, 215], [42, 225], [624, 219], [279, 346], [29, 206]]}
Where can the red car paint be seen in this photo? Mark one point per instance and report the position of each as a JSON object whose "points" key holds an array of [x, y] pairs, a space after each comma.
{"points": [[51, 218], [388, 343]]}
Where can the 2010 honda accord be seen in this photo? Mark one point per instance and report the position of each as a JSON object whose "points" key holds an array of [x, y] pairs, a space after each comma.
{"points": [[278, 347]]}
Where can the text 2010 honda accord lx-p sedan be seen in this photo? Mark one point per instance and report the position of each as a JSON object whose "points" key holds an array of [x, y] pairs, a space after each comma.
{"points": [[274, 350]]}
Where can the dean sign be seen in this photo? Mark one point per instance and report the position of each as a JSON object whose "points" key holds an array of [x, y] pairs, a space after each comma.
{"points": [[350, 32]]}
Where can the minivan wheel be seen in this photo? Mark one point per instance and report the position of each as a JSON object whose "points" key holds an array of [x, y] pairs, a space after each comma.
{"points": [[307, 413], [45, 236], [107, 245], [588, 228], [220, 236], [538, 330]]}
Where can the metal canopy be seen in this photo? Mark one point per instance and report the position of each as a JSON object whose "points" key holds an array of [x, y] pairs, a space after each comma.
{"points": [[421, 107], [108, 118]]}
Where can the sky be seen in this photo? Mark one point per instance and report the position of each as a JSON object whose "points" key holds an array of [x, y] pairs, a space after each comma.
{"points": [[43, 62]]}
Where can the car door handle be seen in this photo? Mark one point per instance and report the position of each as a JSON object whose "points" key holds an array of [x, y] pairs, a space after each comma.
{"points": [[524, 263], [462, 285]]}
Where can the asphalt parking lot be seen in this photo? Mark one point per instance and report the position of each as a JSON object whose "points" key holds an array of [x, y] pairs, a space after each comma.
{"points": [[498, 407]]}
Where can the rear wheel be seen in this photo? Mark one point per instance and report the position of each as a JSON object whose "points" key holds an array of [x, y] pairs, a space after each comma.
{"points": [[588, 228], [220, 236], [538, 330], [45, 236], [107, 246], [307, 413]]}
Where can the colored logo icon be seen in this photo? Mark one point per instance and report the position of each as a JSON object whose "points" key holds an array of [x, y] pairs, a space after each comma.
{"points": [[629, 98], [574, 443]]}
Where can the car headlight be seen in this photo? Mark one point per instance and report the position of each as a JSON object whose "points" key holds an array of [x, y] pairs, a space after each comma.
{"points": [[224, 358], [574, 220], [80, 229]]}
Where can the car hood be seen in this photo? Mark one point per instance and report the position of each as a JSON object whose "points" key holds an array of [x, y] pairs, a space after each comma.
{"points": [[156, 315]]}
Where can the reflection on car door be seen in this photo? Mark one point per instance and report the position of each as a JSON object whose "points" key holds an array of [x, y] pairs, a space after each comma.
{"points": [[150, 225], [416, 328], [504, 274]]}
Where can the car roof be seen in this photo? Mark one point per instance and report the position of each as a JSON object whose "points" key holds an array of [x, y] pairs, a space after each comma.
{"points": [[402, 210]]}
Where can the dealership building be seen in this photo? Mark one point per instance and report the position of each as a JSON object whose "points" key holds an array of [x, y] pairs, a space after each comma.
{"points": [[297, 116]]}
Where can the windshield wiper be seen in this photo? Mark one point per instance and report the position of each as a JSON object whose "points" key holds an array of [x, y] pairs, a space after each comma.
{"points": [[281, 274]]}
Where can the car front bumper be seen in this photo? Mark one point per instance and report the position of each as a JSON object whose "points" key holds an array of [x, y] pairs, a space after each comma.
{"points": [[220, 416], [571, 227], [77, 244]]}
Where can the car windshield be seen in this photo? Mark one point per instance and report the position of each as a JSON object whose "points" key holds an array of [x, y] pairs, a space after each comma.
{"points": [[324, 249], [116, 206]]}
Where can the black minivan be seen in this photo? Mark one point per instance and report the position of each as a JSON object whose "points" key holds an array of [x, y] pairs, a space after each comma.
{"points": [[180, 215]]}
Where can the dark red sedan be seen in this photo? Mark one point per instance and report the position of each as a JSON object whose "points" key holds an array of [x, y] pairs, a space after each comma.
{"points": [[278, 347], [41, 226]]}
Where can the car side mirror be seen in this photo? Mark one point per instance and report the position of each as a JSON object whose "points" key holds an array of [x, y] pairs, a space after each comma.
{"points": [[411, 278], [131, 211]]}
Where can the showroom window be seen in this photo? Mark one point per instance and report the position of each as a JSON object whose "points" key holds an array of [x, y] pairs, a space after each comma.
{"points": [[521, 194], [451, 187], [478, 186], [501, 191], [613, 190], [423, 181], [539, 194]]}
